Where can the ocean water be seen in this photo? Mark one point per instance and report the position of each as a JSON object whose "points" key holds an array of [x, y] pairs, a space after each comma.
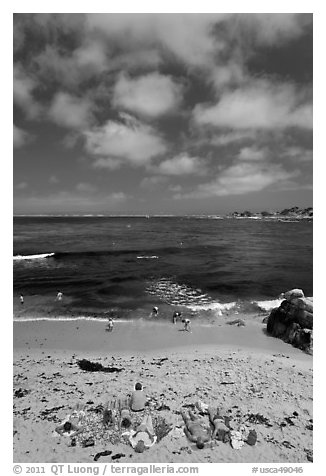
{"points": [[123, 266]]}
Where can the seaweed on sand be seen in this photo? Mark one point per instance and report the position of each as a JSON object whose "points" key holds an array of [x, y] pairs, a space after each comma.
{"points": [[89, 366]]}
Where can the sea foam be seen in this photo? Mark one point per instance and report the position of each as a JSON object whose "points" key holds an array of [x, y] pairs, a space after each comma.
{"points": [[31, 257]]}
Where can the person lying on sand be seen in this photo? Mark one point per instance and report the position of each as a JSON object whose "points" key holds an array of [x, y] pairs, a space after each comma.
{"points": [[195, 429], [125, 416], [221, 432], [138, 398], [144, 436], [68, 429]]}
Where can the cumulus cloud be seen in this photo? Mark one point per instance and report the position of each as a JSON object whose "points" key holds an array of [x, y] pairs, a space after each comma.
{"points": [[91, 55], [189, 37], [23, 89], [232, 137], [87, 68], [73, 201], [182, 164], [199, 40], [146, 58], [242, 178], [176, 188], [226, 75], [20, 137], [260, 105], [85, 187], [252, 154], [298, 154], [130, 142], [270, 29], [151, 183], [152, 95], [69, 111], [21, 185], [107, 163], [72, 67], [109, 41], [53, 179]]}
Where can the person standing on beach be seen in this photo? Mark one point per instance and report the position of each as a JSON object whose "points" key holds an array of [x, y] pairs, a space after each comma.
{"points": [[187, 325], [176, 316], [59, 296], [155, 311], [110, 324], [21, 299]]}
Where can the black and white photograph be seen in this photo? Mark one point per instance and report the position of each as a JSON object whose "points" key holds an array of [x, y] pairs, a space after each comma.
{"points": [[163, 239]]}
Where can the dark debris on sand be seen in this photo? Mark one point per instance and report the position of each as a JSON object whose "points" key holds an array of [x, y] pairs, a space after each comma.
{"points": [[20, 393], [89, 366]]}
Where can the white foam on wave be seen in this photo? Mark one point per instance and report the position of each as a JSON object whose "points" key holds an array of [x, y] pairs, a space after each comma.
{"points": [[147, 257], [176, 294], [213, 306], [68, 319], [271, 304], [268, 305], [32, 257]]}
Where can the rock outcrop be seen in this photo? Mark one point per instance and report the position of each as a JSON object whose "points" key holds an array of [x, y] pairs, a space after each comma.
{"points": [[292, 321]]}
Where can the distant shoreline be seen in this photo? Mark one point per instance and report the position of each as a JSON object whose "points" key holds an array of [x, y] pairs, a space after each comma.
{"points": [[208, 217]]}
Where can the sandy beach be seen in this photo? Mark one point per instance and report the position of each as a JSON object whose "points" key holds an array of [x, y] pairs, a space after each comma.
{"points": [[258, 381]]}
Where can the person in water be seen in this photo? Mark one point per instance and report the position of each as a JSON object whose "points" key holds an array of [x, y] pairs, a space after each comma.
{"points": [[59, 296], [138, 398], [195, 429]]}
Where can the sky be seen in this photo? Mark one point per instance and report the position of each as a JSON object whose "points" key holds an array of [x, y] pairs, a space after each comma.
{"points": [[162, 113]]}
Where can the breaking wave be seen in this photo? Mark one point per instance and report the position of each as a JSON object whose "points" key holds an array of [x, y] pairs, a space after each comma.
{"points": [[32, 257]]}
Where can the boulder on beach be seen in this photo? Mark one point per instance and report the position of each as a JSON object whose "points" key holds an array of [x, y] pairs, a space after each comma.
{"points": [[292, 321], [293, 294]]}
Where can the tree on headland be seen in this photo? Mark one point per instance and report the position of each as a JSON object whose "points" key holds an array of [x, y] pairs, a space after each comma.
{"points": [[246, 214]]}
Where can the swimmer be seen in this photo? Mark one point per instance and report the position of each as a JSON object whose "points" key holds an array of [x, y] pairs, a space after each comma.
{"points": [[21, 299], [59, 296]]}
